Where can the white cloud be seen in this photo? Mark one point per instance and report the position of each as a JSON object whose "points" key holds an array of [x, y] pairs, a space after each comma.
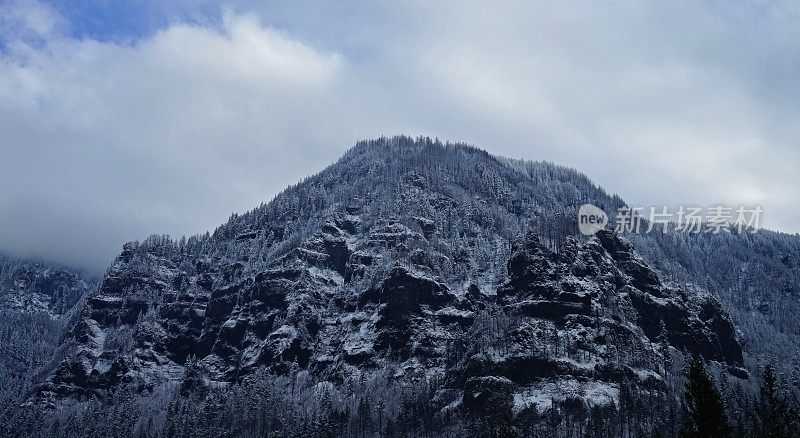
{"points": [[675, 103], [107, 142], [28, 19]]}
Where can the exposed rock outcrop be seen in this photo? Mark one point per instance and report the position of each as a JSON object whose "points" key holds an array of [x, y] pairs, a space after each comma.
{"points": [[420, 274]]}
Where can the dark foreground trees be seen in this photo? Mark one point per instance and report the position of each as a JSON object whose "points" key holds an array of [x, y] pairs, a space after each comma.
{"points": [[299, 406], [776, 415], [704, 412]]}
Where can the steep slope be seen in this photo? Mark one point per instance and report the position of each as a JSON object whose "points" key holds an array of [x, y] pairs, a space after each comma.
{"points": [[396, 257], [35, 299], [585, 321], [756, 276], [33, 286]]}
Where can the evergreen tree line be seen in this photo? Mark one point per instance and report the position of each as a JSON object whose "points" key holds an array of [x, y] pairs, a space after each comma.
{"points": [[296, 405], [712, 410]]}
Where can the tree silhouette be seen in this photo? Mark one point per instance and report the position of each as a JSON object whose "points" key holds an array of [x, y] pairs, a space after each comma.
{"points": [[772, 409], [704, 413]]}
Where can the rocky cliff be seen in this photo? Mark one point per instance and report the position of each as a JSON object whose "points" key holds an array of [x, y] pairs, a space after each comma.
{"points": [[36, 298], [427, 259]]}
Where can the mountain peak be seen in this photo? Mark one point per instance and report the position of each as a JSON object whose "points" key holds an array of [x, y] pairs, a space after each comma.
{"points": [[386, 259], [410, 263]]}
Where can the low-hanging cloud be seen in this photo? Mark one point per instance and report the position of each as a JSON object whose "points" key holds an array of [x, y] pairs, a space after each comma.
{"points": [[104, 141]]}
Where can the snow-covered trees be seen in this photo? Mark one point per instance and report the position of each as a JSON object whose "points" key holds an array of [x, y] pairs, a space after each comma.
{"points": [[36, 299], [446, 215]]}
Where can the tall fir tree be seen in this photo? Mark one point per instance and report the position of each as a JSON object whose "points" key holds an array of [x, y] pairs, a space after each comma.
{"points": [[704, 412], [772, 408], [663, 347]]}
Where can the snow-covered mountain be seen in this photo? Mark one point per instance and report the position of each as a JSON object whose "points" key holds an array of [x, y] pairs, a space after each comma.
{"points": [[31, 286], [36, 298], [413, 261]]}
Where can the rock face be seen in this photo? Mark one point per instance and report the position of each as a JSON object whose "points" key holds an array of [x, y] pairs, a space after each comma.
{"points": [[405, 255], [37, 287], [36, 298], [588, 318], [553, 286]]}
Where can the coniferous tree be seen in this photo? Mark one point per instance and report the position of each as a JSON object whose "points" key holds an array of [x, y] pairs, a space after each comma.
{"points": [[772, 409], [704, 413], [663, 347]]}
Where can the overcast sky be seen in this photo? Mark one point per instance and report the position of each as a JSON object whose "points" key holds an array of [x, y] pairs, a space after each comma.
{"points": [[119, 119]]}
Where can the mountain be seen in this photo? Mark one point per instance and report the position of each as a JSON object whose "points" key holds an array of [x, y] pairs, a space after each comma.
{"points": [[36, 298], [32, 286], [415, 287]]}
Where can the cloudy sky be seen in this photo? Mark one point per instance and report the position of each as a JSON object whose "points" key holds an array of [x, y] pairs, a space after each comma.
{"points": [[123, 118]]}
